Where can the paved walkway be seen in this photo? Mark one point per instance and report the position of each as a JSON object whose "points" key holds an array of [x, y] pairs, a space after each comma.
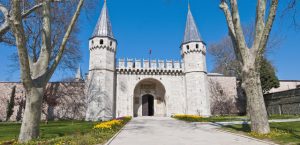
{"points": [[168, 131]]}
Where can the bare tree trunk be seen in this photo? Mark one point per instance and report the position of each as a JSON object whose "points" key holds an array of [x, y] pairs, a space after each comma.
{"points": [[255, 101], [41, 74], [249, 58], [32, 115]]}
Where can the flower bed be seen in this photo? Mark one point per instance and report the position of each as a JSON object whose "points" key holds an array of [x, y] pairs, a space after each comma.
{"points": [[94, 133], [186, 117], [112, 124]]}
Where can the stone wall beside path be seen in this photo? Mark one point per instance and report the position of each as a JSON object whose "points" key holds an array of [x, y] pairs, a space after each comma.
{"points": [[62, 100], [285, 102]]}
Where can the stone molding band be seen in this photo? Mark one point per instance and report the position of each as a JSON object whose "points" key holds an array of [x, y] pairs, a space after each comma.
{"points": [[149, 72], [195, 71], [193, 51], [101, 69], [111, 49]]}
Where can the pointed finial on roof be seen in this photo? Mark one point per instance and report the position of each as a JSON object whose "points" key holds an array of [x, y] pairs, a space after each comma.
{"points": [[189, 6], [103, 27], [78, 76]]}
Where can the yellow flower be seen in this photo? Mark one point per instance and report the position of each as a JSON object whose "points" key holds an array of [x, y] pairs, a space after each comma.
{"points": [[274, 133], [108, 124], [187, 116]]}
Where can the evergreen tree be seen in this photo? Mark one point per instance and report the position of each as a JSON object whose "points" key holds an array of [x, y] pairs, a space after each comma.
{"points": [[268, 76], [11, 104]]}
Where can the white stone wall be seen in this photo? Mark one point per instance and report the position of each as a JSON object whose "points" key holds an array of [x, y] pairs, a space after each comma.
{"points": [[62, 100], [196, 83], [224, 96], [197, 94], [100, 94], [194, 58], [285, 85], [228, 84], [101, 79], [71, 100], [174, 94], [102, 56]]}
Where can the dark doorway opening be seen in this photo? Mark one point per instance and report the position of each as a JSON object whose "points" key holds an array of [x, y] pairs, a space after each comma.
{"points": [[148, 105]]}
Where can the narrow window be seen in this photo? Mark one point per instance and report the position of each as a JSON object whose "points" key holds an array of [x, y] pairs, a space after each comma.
{"points": [[188, 47], [110, 43], [101, 41], [221, 92], [197, 45], [92, 41]]}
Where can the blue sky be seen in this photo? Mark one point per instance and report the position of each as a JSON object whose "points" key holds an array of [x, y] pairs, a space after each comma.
{"points": [[159, 24]]}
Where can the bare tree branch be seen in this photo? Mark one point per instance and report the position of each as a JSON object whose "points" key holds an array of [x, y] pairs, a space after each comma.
{"points": [[64, 41], [15, 21], [232, 32], [239, 36], [28, 12], [42, 63], [5, 26], [267, 29], [228, 16], [260, 23], [291, 12]]}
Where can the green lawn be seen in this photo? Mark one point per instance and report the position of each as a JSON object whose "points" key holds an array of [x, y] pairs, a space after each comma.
{"points": [[9, 131], [61, 132], [282, 133]]}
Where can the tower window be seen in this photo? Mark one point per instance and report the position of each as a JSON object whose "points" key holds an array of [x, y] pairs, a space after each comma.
{"points": [[110, 43], [221, 92], [197, 45], [101, 41], [188, 47], [92, 41]]}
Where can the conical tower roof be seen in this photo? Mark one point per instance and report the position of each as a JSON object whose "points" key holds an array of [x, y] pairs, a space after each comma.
{"points": [[103, 27], [191, 33], [78, 74]]}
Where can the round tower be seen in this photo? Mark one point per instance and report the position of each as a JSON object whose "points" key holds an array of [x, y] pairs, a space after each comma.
{"points": [[193, 52], [101, 77]]}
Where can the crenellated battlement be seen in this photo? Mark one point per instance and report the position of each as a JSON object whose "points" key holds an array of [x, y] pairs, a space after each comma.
{"points": [[149, 66]]}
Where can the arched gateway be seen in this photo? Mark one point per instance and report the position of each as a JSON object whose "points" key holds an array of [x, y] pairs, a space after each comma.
{"points": [[149, 98]]}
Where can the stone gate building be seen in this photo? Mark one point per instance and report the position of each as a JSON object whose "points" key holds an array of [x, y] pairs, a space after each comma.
{"points": [[135, 87], [139, 87]]}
